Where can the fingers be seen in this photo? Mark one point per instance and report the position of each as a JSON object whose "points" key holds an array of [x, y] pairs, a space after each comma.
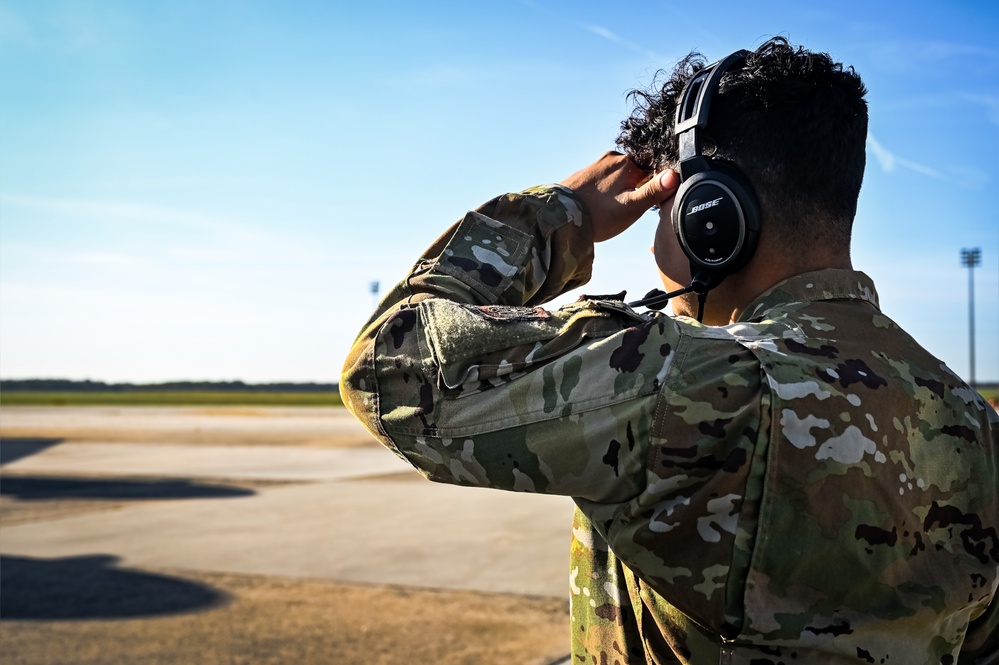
{"points": [[659, 188], [617, 192], [611, 175]]}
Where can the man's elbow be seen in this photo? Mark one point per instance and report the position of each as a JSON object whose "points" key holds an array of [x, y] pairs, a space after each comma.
{"points": [[357, 389]]}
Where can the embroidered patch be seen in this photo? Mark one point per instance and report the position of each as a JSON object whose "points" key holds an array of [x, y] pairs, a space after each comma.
{"points": [[506, 313], [620, 295]]}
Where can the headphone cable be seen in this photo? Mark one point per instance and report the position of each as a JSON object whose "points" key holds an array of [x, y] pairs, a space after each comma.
{"points": [[657, 298], [701, 283]]}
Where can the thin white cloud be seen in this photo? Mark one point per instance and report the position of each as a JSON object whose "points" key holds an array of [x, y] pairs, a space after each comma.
{"points": [[13, 29], [889, 161], [211, 255], [441, 76], [49, 261], [599, 31], [610, 36], [990, 102], [910, 57], [937, 50], [223, 238], [605, 33], [884, 157], [115, 210], [109, 259], [533, 5], [920, 168]]}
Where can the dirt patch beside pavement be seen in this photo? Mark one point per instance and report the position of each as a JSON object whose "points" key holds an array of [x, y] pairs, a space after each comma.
{"points": [[320, 427], [274, 620], [92, 609]]}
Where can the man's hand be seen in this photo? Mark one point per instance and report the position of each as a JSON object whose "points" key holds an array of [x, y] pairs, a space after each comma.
{"points": [[616, 193]]}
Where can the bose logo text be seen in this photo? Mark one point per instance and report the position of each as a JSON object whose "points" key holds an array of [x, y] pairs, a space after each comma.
{"points": [[703, 206]]}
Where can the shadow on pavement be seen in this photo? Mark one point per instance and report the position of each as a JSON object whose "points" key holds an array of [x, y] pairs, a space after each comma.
{"points": [[41, 488], [14, 448], [91, 587]]}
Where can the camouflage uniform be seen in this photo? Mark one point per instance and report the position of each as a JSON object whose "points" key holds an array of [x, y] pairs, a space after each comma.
{"points": [[806, 485]]}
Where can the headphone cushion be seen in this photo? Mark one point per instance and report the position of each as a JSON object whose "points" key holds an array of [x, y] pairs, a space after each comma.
{"points": [[716, 219]]}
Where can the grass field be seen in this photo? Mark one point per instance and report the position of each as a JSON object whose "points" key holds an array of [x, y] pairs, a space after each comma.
{"points": [[168, 398]]}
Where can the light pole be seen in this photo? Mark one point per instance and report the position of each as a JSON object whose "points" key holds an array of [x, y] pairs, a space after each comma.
{"points": [[971, 258]]}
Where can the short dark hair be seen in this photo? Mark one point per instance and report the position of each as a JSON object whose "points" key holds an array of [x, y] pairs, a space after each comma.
{"points": [[795, 122]]}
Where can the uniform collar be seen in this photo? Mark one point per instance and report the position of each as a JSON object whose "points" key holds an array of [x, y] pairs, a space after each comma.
{"points": [[829, 284]]}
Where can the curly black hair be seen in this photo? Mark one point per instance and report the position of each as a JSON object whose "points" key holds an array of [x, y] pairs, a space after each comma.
{"points": [[795, 123], [647, 136]]}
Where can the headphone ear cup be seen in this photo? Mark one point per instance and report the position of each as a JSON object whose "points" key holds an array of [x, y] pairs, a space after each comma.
{"points": [[716, 219]]}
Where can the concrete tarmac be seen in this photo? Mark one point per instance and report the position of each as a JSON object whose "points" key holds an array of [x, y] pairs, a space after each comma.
{"points": [[302, 494]]}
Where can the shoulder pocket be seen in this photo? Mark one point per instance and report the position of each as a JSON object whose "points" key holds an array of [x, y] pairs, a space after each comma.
{"points": [[463, 338], [485, 254], [476, 347]]}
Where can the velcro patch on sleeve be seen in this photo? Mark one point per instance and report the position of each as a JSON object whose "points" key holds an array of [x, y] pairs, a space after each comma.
{"points": [[460, 334], [485, 254]]}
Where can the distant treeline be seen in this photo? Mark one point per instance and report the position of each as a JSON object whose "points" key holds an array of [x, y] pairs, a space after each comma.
{"points": [[66, 385]]}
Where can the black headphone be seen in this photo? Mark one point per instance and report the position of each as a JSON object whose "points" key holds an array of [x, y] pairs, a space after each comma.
{"points": [[715, 214]]}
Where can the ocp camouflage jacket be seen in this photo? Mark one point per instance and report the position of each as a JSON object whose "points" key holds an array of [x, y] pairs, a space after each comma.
{"points": [[807, 485]]}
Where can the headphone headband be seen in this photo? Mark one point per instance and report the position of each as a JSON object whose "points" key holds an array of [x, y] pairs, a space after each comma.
{"points": [[695, 102], [715, 214], [693, 109]]}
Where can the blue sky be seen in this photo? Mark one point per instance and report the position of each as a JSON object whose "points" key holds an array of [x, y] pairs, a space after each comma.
{"points": [[206, 190]]}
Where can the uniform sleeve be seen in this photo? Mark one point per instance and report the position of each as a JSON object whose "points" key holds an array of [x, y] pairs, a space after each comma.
{"points": [[981, 643], [464, 375]]}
